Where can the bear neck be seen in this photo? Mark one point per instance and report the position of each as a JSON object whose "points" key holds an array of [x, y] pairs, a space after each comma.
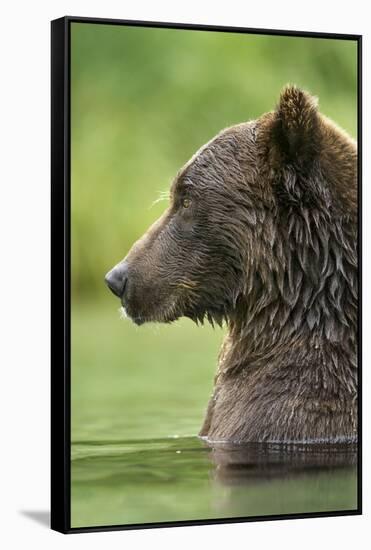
{"points": [[302, 293]]}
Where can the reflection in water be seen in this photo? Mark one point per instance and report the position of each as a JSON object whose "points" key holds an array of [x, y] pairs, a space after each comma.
{"points": [[174, 479], [241, 463]]}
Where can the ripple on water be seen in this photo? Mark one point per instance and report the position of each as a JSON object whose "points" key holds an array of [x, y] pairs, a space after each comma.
{"points": [[186, 478]]}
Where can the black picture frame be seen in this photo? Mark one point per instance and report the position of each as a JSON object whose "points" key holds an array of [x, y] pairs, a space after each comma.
{"points": [[60, 270]]}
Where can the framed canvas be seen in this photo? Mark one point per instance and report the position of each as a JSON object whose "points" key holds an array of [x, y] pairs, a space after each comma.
{"points": [[206, 192]]}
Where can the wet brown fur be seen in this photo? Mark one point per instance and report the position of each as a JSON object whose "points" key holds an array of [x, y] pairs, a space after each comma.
{"points": [[268, 245]]}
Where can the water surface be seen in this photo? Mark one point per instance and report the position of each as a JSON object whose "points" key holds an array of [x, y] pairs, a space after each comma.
{"points": [[174, 479]]}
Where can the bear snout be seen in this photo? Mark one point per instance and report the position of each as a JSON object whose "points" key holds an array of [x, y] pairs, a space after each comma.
{"points": [[117, 278]]}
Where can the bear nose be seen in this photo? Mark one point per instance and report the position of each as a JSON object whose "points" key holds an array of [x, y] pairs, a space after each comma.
{"points": [[116, 279]]}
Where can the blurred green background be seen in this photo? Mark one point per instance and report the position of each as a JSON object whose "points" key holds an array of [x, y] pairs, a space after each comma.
{"points": [[142, 102]]}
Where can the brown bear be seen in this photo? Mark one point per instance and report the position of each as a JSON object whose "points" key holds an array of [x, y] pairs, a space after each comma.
{"points": [[261, 233]]}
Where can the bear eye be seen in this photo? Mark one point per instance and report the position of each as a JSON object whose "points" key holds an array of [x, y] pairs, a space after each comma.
{"points": [[186, 203]]}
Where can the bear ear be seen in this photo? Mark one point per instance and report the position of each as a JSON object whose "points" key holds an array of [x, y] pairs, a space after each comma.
{"points": [[295, 130]]}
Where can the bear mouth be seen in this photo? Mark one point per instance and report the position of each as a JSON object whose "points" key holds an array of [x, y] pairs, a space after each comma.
{"points": [[158, 317], [138, 320]]}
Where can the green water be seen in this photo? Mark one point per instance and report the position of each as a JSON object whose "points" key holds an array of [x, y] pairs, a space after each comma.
{"points": [[138, 399]]}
